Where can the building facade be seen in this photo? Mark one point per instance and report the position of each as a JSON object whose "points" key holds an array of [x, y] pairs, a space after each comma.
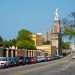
{"points": [[56, 36], [8, 52], [37, 39]]}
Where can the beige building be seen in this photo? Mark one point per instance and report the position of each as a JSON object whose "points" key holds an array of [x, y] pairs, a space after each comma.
{"points": [[8, 52]]}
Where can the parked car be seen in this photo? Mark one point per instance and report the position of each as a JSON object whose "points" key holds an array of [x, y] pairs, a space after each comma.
{"points": [[33, 60], [21, 60], [41, 58], [13, 61], [48, 58], [27, 60], [4, 62]]}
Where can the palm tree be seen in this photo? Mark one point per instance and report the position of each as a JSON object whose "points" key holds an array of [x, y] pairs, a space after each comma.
{"points": [[69, 28]]}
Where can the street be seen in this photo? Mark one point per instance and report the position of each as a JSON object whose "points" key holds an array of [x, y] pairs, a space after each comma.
{"points": [[64, 66]]}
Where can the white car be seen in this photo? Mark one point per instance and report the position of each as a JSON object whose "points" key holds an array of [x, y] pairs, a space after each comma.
{"points": [[4, 62], [41, 58]]}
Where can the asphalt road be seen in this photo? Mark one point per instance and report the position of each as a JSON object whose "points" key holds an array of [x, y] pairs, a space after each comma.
{"points": [[64, 66]]}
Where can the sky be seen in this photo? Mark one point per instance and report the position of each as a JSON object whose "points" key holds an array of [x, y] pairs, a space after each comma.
{"points": [[34, 15]]}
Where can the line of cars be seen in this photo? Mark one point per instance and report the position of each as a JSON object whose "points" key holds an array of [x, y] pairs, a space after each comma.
{"points": [[15, 61]]}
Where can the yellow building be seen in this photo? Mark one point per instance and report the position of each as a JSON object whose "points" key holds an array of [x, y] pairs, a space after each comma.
{"points": [[46, 49], [41, 49], [34, 38], [37, 39]]}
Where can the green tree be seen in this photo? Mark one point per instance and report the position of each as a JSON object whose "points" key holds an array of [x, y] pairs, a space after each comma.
{"points": [[8, 43], [25, 44], [24, 39], [1, 41], [70, 32], [65, 45], [12, 42], [69, 27], [24, 34], [46, 43]]}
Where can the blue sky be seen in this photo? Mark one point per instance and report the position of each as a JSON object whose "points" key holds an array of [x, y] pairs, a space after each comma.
{"points": [[34, 15]]}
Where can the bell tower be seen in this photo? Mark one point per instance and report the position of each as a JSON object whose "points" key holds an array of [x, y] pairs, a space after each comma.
{"points": [[56, 38]]}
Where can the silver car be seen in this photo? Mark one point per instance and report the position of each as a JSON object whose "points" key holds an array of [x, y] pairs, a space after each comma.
{"points": [[41, 58], [4, 62]]}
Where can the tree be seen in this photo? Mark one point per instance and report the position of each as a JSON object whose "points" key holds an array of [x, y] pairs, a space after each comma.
{"points": [[65, 45], [24, 34], [46, 42], [24, 39], [25, 44], [12, 42], [69, 31], [69, 26], [8, 43], [1, 41]]}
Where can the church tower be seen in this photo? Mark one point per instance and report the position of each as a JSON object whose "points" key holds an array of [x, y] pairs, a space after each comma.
{"points": [[56, 37]]}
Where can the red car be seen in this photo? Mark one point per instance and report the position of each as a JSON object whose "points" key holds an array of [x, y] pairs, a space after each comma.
{"points": [[33, 60]]}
